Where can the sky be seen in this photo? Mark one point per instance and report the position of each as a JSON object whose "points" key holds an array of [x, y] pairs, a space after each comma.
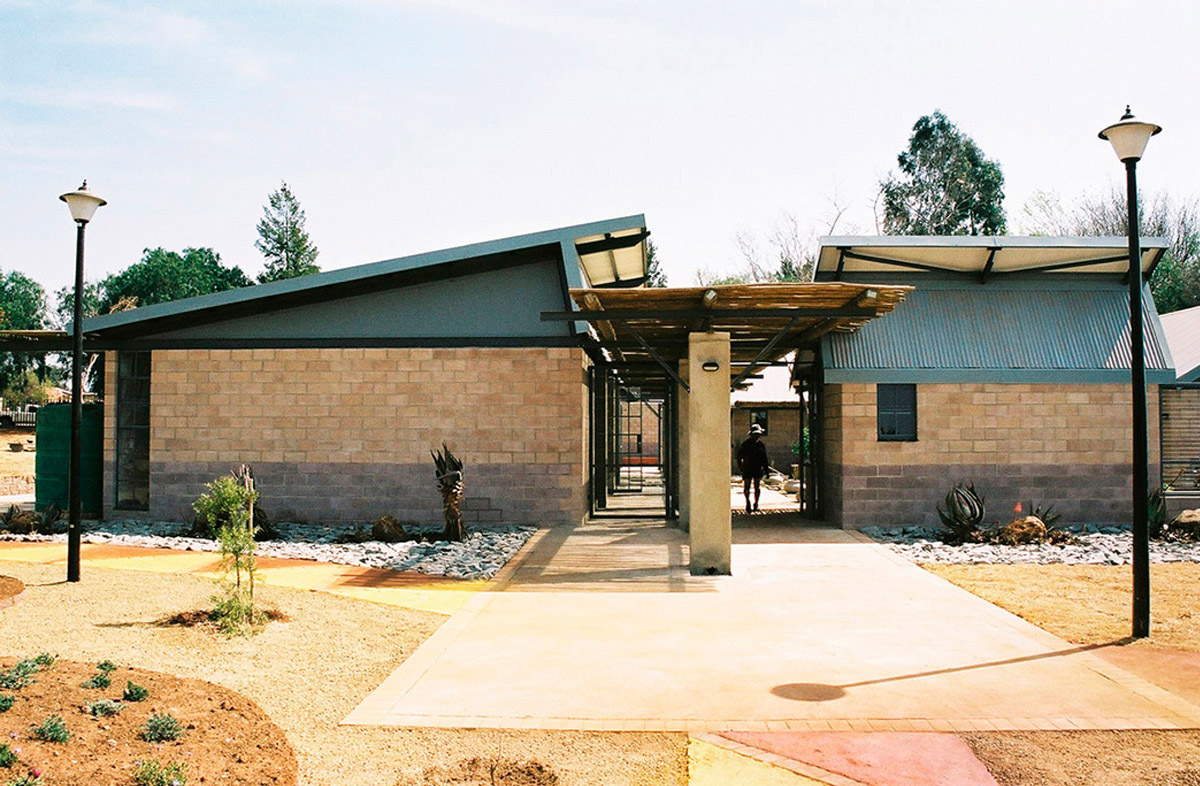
{"points": [[410, 125]]}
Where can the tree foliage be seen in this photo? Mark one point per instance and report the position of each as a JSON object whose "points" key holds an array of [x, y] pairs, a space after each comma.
{"points": [[283, 240], [945, 186], [22, 307], [655, 277], [162, 276], [1176, 281]]}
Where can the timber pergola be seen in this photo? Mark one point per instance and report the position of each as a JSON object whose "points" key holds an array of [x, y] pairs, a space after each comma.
{"points": [[695, 344]]}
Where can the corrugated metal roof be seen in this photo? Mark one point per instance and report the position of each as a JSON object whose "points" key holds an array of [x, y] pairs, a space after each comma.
{"points": [[1182, 329], [999, 329]]}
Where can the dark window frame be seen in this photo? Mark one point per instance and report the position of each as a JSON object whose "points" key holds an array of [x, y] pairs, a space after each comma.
{"points": [[896, 412], [763, 418], [132, 429]]}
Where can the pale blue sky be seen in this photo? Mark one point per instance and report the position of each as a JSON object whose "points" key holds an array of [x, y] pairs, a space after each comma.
{"points": [[405, 126]]}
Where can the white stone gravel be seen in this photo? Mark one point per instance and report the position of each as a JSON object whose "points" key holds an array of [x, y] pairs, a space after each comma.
{"points": [[480, 556], [1107, 546]]}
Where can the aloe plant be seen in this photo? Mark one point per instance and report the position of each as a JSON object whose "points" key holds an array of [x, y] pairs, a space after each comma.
{"points": [[963, 515]]}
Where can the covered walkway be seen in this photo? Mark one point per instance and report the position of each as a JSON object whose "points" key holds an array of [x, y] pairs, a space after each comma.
{"points": [[603, 627]]}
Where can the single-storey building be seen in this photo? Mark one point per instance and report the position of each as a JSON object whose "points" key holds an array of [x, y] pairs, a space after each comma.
{"points": [[1007, 365], [919, 362]]}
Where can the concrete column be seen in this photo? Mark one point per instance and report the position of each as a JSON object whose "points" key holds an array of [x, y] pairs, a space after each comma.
{"points": [[710, 522], [682, 458]]}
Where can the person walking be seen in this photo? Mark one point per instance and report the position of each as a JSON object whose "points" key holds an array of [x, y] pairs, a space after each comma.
{"points": [[752, 462]]}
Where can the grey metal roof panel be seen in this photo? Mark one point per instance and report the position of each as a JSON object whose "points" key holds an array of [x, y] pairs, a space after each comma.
{"points": [[1182, 331], [1000, 329], [350, 275]]}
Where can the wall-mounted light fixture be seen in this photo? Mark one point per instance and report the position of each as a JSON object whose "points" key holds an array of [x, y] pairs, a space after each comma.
{"points": [[711, 365]]}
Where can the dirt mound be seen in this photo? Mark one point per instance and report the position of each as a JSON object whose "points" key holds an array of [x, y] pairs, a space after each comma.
{"points": [[226, 737]]}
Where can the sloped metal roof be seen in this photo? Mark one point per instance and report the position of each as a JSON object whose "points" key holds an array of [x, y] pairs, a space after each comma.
{"points": [[1182, 330], [610, 251], [992, 333]]}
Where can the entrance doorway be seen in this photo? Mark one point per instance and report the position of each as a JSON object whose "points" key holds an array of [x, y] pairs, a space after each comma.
{"points": [[632, 445]]}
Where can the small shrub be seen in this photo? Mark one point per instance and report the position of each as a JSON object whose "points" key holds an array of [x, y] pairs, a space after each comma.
{"points": [[1156, 512], [151, 773], [6, 702], [34, 778], [963, 514], [18, 676], [51, 730], [98, 681], [45, 522], [224, 503], [388, 529], [106, 666], [235, 613], [134, 692], [7, 757], [103, 708], [45, 660], [161, 727]]}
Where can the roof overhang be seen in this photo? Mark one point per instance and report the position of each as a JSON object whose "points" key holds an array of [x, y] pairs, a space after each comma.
{"points": [[614, 259], [643, 333], [980, 256]]}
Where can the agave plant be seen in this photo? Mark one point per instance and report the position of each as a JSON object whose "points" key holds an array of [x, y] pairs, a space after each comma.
{"points": [[1048, 515], [963, 514], [450, 483]]}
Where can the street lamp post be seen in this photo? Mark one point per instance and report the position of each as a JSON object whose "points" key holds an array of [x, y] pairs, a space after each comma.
{"points": [[1129, 137], [82, 204]]}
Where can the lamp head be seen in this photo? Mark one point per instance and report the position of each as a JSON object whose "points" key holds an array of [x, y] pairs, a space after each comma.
{"points": [[82, 203], [1129, 136]]}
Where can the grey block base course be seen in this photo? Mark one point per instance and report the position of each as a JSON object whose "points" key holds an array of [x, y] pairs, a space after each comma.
{"points": [[858, 497], [346, 493]]}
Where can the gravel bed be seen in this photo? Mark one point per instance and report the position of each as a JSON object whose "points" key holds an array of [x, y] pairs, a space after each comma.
{"points": [[480, 556], [1093, 546]]}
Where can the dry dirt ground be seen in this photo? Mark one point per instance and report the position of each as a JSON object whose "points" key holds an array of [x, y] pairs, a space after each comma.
{"points": [[102, 750], [1090, 605], [16, 463], [307, 674]]}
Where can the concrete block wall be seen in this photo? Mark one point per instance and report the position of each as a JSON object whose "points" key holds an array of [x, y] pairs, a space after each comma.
{"points": [[343, 435], [1067, 445]]}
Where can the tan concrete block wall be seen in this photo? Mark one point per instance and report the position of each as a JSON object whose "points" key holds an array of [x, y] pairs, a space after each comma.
{"points": [[345, 434], [1010, 423], [1063, 444]]}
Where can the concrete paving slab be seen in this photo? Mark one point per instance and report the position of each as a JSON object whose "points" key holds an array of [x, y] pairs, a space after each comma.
{"points": [[602, 626], [879, 758]]}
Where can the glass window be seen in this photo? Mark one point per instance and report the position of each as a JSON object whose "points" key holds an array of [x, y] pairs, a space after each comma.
{"points": [[896, 406], [133, 431], [762, 418]]}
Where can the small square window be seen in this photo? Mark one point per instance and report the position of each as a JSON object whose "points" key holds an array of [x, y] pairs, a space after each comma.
{"points": [[762, 418], [896, 407]]}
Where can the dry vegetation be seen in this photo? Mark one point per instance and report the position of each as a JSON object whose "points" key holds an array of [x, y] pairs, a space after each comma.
{"points": [[307, 674]]}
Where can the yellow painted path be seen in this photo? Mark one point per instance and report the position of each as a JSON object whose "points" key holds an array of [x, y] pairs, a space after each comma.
{"points": [[409, 590]]}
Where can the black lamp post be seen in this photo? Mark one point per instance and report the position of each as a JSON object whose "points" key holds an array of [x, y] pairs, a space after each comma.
{"points": [[1129, 137], [83, 204]]}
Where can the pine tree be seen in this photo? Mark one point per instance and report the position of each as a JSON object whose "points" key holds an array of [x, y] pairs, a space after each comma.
{"points": [[283, 240]]}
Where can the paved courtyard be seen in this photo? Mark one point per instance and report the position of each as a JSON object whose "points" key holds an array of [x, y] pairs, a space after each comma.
{"points": [[601, 627]]}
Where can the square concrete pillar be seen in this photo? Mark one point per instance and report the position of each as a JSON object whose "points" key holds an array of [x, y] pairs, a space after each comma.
{"points": [[682, 433], [710, 525]]}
